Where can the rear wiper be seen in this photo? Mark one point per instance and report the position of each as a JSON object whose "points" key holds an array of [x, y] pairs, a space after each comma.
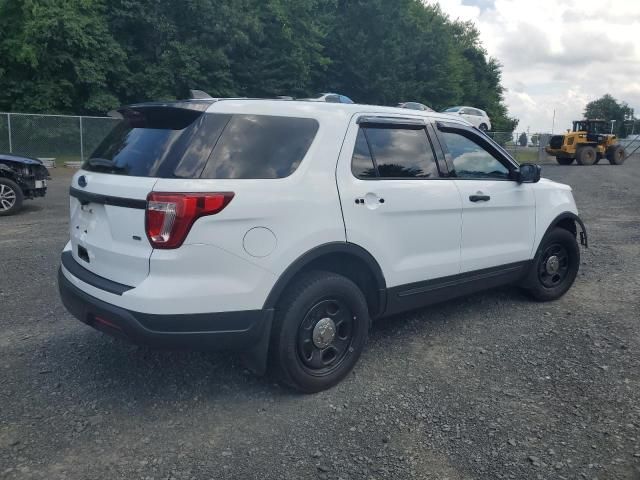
{"points": [[104, 163]]}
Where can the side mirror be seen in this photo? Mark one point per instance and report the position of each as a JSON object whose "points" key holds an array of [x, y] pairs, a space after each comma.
{"points": [[528, 173]]}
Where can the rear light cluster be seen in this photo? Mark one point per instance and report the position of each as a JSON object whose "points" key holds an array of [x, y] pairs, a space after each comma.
{"points": [[169, 216]]}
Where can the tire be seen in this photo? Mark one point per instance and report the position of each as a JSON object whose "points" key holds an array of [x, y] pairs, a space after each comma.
{"points": [[483, 127], [616, 155], [543, 282], [302, 355], [11, 197], [586, 155], [564, 160]]}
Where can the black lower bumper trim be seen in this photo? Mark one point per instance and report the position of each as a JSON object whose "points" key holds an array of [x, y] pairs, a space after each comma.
{"points": [[238, 331]]}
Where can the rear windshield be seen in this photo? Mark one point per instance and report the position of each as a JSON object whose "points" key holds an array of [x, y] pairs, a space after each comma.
{"points": [[186, 144]]}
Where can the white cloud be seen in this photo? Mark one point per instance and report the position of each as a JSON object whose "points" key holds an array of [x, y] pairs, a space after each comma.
{"points": [[558, 54]]}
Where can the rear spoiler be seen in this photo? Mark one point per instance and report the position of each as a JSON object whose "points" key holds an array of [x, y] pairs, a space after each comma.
{"points": [[166, 115]]}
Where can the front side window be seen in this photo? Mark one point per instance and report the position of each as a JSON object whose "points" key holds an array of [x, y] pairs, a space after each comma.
{"points": [[393, 153], [471, 160]]}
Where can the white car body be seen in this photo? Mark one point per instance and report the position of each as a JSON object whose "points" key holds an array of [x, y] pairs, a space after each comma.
{"points": [[239, 260], [476, 117]]}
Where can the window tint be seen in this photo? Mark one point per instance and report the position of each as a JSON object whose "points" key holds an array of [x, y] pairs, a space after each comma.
{"points": [[362, 163], [470, 160], [402, 153], [161, 142], [261, 146]]}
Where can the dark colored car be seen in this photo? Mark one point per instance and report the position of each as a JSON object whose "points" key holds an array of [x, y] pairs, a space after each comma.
{"points": [[20, 178]]}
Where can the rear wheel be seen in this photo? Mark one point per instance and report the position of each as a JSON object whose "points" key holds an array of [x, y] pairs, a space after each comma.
{"points": [[10, 197], [483, 127], [554, 267], [586, 155], [616, 155], [320, 330], [564, 160]]}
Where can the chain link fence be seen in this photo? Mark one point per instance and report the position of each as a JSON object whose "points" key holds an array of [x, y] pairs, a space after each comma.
{"points": [[530, 147], [59, 137], [525, 147]]}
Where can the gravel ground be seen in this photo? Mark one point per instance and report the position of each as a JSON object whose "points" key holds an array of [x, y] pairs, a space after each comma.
{"points": [[491, 386]]}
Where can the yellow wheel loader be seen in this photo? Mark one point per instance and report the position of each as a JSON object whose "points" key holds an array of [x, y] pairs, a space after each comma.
{"points": [[588, 143]]}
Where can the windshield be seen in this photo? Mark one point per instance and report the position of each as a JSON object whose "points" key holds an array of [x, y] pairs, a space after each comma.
{"points": [[452, 109]]}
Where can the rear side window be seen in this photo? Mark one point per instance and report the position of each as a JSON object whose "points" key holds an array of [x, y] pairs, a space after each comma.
{"points": [[261, 146], [177, 143], [395, 153], [362, 163]]}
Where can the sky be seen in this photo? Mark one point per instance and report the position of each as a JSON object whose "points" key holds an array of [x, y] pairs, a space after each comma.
{"points": [[558, 54]]}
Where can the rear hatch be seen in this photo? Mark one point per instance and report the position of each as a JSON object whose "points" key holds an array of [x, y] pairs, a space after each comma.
{"points": [[137, 192], [109, 194]]}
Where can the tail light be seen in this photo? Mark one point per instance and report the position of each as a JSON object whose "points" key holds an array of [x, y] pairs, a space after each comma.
{"points": [[169, 216]]}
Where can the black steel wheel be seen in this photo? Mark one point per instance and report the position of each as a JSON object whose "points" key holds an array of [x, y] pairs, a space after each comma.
{"points": [[320, 329], [555, 266]]}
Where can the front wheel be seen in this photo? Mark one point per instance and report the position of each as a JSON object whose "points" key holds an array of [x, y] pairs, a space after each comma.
{"points": [[554, 267], [10, 197], [320, 330], [586, 155], [616, 155]]}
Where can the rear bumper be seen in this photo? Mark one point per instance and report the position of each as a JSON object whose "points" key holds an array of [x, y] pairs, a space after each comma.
{"points": [[245, 331]]}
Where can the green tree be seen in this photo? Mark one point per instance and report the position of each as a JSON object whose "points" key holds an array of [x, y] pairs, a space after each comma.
{"points": [[608, 108], [57, 57], [87, 56]]}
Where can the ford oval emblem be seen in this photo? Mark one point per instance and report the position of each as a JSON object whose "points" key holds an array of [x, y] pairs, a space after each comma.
{"points": [[82, 181]]}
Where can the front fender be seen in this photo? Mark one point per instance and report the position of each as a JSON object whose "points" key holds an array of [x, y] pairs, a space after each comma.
{"points": [[584, 241]]}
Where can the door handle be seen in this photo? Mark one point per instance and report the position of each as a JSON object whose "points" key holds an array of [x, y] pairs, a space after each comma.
{"points": [[371, 199], [479, 198]]}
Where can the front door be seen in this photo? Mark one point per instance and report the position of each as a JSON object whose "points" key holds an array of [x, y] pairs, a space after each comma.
{"points": [[395, 203], [498, 213]]}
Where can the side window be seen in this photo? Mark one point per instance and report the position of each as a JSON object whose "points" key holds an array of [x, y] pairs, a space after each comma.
{"points": [[402, 153], [261, 146], [362, 164], [471, 160]]}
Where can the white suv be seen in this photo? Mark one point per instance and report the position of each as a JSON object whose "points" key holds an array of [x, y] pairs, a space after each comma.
{"points": [[476, 117], [281, 229]]}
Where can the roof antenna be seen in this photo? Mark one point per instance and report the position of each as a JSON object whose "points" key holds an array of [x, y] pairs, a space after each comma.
{"points": [[199, 95]]}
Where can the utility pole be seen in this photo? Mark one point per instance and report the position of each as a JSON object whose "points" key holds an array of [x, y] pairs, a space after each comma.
{"points": [[553, 124]]}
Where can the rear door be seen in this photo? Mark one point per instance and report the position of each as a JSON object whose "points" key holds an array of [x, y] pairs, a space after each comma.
{"points": [[109, 194], [395, 203]]}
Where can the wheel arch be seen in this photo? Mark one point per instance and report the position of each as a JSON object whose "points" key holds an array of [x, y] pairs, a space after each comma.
{"points": [[569, 221], [348, 259]]}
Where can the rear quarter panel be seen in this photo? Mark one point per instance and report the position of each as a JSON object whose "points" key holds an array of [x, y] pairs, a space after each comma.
{"points": [[271, 222]]}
